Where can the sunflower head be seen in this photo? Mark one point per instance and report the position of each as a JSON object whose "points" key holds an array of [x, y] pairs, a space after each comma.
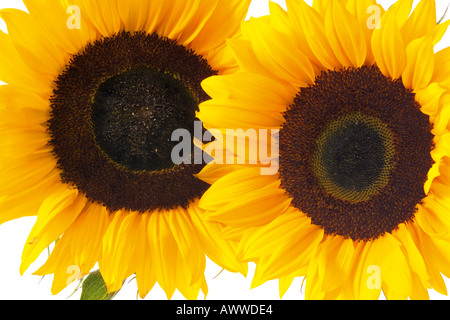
{"points": [[361, 102], [94, 92]]}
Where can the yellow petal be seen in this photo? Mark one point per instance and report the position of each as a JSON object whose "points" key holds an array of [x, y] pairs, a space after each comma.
{"points": [[234, 185], [279, 18], [223, 114], [421, 22], [244, 55], [188, 244], [429, 99], [255, 209], [420, 239], [14, 70], [279, 53], [78, 249], [439, 31], [396, 275], [388, 47], [439, 250], [45, 58], [335, 262], [294, 256], [419, 64], [280, 232], [28, 201], [368, 13], [52, 17], [24, 173], [412, 253], [313, 287], [168, 18], [213, 172], [55, 216], [188, 289], [213, 34], [277, 95], [145, 274], [312, 25], [220, 251], [104, 15], [285, 283], [122, 253], [164, 252], [369, 257], [30, 140], [322, 6], [15, 97], [230, 233], [442, 60], [401, 10], [201, 17], [345, 36], [433, 221], [443, 117]]}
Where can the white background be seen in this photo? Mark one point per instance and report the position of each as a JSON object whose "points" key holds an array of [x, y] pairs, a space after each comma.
{"points": [[226, 286]]}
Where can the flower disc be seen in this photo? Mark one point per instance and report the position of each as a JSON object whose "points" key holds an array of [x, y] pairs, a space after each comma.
{"points": [[113, 113], [354, 157], [356, 161]]}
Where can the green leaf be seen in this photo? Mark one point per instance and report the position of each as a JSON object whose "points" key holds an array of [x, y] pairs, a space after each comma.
{"points": [[94, 288]]}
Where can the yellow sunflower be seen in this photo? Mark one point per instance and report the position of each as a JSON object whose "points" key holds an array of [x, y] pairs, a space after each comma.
{"points": [[361, 200], [94, 91]]}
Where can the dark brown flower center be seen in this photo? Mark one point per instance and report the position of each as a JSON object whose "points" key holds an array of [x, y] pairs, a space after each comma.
{"points": [[355, 153], [113, 113], [134, 115], [354, 157]]}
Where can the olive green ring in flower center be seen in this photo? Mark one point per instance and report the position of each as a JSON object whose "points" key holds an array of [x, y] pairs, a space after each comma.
{"points": [[354, 157]]}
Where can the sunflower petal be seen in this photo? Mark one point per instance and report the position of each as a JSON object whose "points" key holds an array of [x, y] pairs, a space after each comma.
{"points": [[291, 64], [345, 36], [78, 249], [442, 59], [420, 64], [388, 47], [421, 22], [315, 33], [220, 251], [188, 244], [334, 262], [55, 215]]}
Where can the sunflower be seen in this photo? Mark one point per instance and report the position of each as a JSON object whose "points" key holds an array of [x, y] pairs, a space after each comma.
{"points": [[360, 105], [94, 91]]}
